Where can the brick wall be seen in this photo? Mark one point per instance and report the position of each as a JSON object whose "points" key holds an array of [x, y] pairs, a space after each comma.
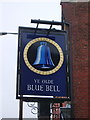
{"points": [[77, 15], [89, 57]]}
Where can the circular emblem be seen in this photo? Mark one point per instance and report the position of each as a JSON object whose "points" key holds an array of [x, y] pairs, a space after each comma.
{"points": [[43, 56]]}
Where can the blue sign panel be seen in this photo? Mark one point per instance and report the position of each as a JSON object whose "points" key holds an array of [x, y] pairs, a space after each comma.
{"points": [[42, 63]]}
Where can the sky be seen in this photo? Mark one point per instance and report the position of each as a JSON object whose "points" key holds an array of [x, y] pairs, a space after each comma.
{"points": [[15, 13]]}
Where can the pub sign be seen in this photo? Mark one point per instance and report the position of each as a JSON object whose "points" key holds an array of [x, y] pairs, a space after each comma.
{"points": [[42, 63]]}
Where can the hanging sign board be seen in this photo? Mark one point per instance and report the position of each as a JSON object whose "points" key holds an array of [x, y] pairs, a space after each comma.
{"points": [[42, 63]]}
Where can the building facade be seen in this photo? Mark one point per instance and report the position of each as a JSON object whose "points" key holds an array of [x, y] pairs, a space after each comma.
{"points": [[77, 13]]}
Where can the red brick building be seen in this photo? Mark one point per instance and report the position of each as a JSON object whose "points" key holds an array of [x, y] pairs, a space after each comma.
{"points": [[77, 15]]}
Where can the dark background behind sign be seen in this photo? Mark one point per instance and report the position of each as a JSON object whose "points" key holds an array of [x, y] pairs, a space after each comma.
{"points": [[54, 53], [27, 76]]}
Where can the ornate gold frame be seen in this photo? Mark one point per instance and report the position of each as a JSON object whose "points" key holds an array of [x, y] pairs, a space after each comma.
{"points": [[39, 71]]}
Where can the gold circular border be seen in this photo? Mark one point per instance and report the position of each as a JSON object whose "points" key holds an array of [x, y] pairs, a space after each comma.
{"points": [[39, 71]]}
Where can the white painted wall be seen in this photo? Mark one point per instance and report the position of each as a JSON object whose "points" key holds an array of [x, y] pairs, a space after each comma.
{"points": [[75, 0]]}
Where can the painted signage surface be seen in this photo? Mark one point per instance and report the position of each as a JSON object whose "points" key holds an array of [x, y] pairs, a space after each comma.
{"points": [[42, 63]]}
